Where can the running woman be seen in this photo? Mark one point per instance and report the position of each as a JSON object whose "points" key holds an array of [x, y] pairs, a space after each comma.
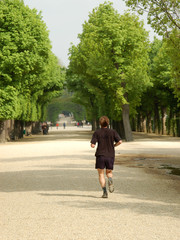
{"points": [[107, 139]]}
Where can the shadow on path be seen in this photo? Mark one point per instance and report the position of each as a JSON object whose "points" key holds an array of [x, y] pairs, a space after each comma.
{"points": [[67, 135], [77, 184], [133, 189], [50, 158]]}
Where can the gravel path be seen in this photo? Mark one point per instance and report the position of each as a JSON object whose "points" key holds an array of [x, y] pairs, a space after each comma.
{"points": [[49, 190]]}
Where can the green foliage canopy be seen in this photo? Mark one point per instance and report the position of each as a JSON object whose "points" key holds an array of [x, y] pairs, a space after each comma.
{"points": [[27, 64], [65, 104], [8, 102], [162, 15], [110, 62]]}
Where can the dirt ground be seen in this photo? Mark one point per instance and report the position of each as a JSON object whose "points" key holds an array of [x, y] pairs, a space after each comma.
{"points": [[49, 189], [153, 153]]}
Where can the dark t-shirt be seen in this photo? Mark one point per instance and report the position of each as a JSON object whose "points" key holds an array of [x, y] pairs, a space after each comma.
{"points": [[105, 138]]}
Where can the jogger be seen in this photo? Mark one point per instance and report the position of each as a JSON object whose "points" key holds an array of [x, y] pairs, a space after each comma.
{"points": [[107, 139]]}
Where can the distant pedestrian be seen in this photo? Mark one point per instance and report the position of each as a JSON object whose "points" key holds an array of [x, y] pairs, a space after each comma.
{"points": [[107, 139], [81, 123], [45, 128], [57, 125], [64, 125]]}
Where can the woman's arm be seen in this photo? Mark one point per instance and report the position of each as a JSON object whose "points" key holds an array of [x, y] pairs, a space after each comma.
{"points": [[118, 143], [93, 145]]}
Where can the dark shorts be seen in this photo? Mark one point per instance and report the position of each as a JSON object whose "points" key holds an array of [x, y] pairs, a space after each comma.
{"points": [[104, 162]]}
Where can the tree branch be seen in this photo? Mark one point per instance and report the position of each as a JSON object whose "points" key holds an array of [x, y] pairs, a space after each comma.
{"points": [[165, 9]]}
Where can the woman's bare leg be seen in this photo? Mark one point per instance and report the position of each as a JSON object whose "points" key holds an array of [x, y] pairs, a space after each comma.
{"points": [[110, 181], [102, 180], [109, 173]]}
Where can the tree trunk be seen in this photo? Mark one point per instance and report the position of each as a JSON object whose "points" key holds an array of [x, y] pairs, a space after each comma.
{"points": [[149, 124], [6, 130], [35, 127], [119, 127], [174, 126], [93, 124], [18, 129], [2, 132], [138, 122], [9, 130], [170, 121], [126, 123], [28, 128], [178, 124], [156, 119], [163, 115], [143, 124], [134, 124], [97, 124]]}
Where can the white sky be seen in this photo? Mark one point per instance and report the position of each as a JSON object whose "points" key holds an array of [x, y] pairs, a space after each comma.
{"points": [[64, 19]]}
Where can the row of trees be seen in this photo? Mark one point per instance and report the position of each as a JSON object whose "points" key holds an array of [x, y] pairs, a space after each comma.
{"points": [[159, 111], [115, 71], [163, 108], [64, 104], [30, 75], [164, 18]]}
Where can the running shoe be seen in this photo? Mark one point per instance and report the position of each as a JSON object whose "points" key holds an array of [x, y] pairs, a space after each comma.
{"points": [[105, 195], [111, 186]]}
